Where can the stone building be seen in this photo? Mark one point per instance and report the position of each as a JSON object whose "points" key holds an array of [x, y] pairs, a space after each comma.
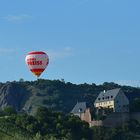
{"points": [[81, 110], [115, 100]]}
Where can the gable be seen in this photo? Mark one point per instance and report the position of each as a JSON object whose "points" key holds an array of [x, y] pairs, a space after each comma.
{"points": [[122, 97], [80, 107]]}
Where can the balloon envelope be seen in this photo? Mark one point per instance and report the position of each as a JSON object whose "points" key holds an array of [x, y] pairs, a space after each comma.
{"points": [[37, 62]]}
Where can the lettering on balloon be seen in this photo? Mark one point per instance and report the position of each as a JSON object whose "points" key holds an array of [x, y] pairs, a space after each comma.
{"points": [[33, 61]]}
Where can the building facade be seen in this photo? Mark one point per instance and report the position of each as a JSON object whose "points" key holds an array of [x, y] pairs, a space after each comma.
{"points": [[112, 99]]}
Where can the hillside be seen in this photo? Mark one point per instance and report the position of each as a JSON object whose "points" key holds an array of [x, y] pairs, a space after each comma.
{"points": [[55, 94], [49, 125]]}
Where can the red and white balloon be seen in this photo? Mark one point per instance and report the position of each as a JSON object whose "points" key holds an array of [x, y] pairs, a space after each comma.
{"points": [[37, 62]]}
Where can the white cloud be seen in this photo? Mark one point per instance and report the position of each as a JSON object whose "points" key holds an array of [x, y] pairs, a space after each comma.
{"points": [[16, 17], [134, 83], [60, 54], [7, 50]]}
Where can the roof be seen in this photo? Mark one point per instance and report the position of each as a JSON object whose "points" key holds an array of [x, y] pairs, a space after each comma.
{"points": [[107, 95], [80, 107]]}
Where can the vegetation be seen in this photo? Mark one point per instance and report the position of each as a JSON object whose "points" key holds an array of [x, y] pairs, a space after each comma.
{"points": [[128, 131], [43, 111], [135, 105], [44, 125], [57, 95], [49, 125]]}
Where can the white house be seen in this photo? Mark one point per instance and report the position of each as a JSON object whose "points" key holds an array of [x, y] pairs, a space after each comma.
{"points": [[114, 99]]}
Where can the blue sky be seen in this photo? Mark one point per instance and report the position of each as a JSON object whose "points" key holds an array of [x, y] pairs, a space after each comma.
{"points": [[92, 41]]}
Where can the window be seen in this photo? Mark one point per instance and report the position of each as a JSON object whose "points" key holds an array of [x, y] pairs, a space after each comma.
{"points": [[103, 98], [99, 98], [107, 97], [111, 96]]}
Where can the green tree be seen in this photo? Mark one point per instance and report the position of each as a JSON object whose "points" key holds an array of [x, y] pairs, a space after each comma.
{"points": [[135, 105], [9, 110]]}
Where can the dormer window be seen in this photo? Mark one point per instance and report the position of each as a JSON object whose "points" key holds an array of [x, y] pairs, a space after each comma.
{"points": [[99, 98], [111, 96], [103, 98], [80, 110], [107, 97]]}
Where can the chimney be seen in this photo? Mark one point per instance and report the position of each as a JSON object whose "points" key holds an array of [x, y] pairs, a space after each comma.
{"points": [[104, 91]]}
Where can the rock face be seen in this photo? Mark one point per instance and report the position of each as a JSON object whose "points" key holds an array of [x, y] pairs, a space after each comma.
{"points": [[13, 95]]}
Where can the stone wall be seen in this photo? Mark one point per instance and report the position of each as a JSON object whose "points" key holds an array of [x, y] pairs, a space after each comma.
{"points": [[96, 123], [86, 116], [116, 119]]}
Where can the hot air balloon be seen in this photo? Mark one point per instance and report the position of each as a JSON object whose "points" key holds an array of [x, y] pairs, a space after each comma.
{"points": [[37, 62]]}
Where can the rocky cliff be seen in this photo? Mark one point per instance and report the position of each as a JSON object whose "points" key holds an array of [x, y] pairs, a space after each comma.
{"points": [[13, 94]]}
